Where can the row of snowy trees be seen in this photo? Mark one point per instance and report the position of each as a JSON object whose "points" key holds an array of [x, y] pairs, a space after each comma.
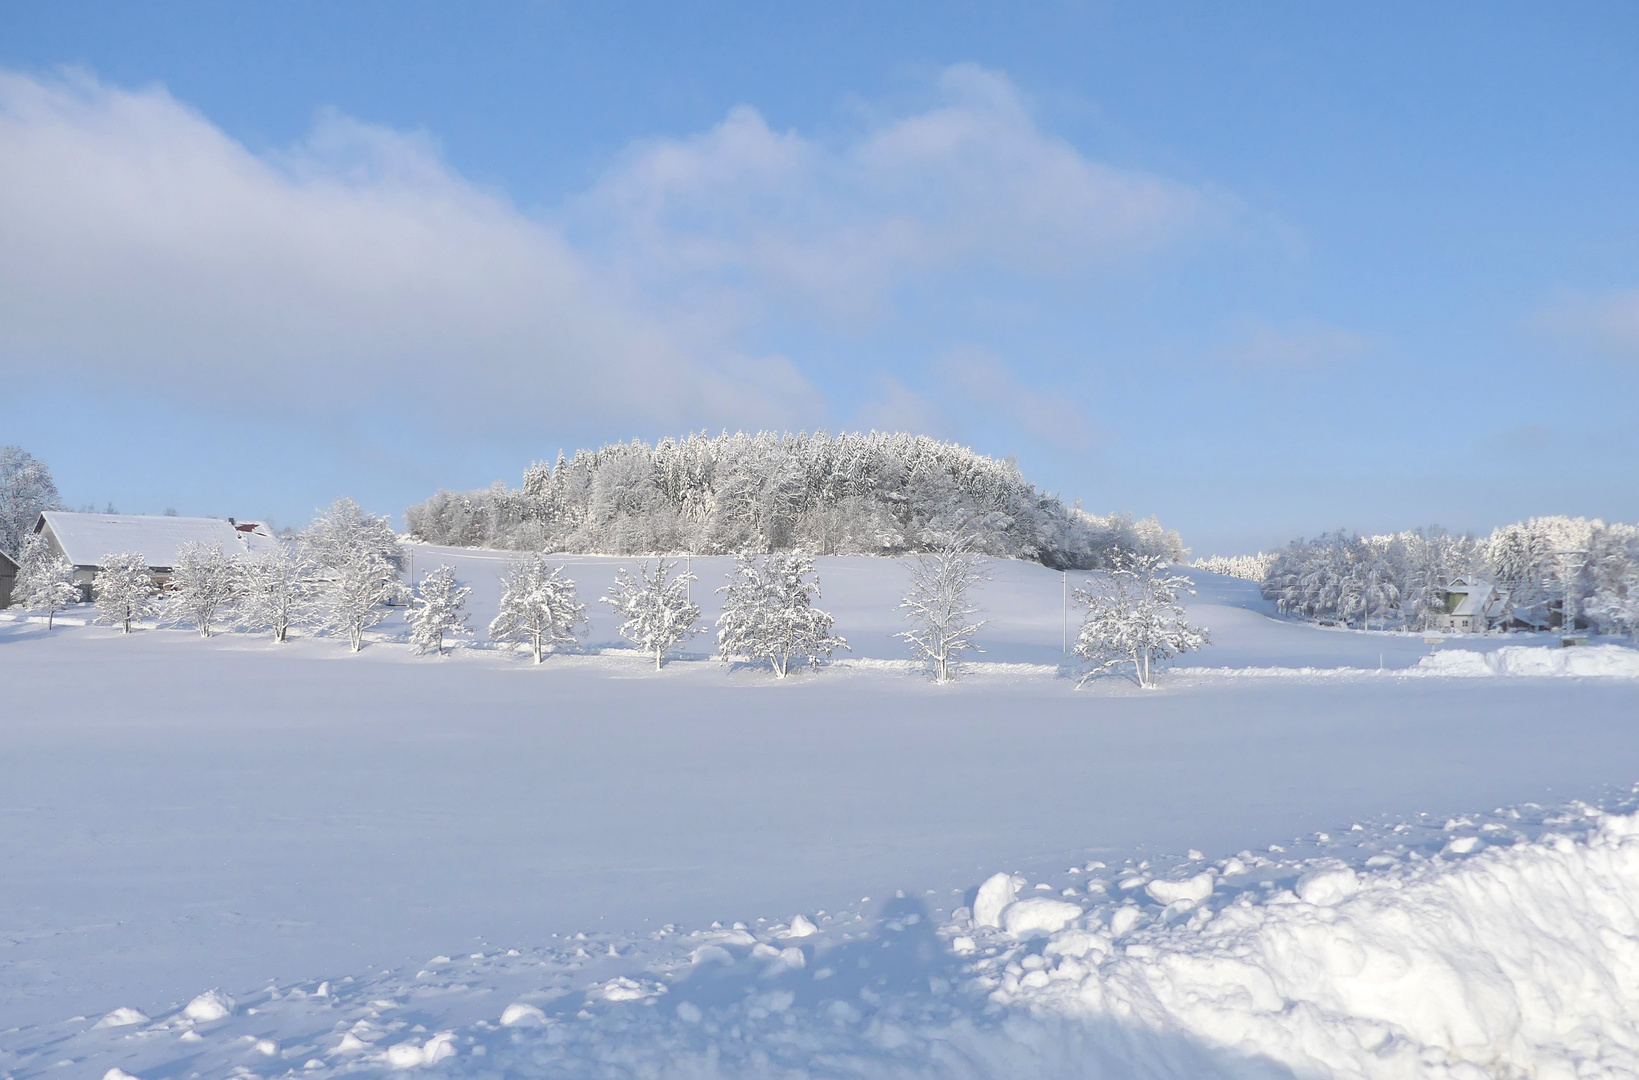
{"points": [[872, 494], [1134, 615], [1246, 567], [1399, 580]]}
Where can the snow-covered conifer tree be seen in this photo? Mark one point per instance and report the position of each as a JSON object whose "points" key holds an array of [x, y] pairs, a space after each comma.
{"points": [[124, 589], [278, 592], [203, 582], [539, 608], [768, 614], [1134, 617], [437, 610], [45, 580], [655, 608], [939, 608]]}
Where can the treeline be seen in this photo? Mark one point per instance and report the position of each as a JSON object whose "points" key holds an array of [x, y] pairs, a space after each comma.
{"points": [[1399, 580], [849, 494]]}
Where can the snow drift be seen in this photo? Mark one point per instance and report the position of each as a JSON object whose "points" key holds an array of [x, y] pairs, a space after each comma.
{"points": [[1598, 660], [1475, 950]]}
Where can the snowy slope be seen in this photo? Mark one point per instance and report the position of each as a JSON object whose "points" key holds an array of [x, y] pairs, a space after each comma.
{"points": [[181, 814]]}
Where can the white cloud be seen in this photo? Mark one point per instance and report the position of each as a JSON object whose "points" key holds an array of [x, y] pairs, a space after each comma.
{"points": [[772, 217], [144, 246], [1609, 321], [141, 246]]}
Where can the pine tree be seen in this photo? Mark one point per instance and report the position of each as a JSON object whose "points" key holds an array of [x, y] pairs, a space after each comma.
{"points": [[1135, 618], [539, 608], [279, 592], [655, 608], [124, 590], [938, 606], [768, 614], [203, 582], [437, 610], [45, 580]]}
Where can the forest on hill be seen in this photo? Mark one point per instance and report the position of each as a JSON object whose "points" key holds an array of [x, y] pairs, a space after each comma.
{"points": [[849, 494]]}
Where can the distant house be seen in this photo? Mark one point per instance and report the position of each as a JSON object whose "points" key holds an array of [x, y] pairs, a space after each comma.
{"points": [[83, 539], [8, 578], [1470, 607]]}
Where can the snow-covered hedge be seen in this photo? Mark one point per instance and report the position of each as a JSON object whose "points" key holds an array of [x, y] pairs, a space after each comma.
{"points": [[849, 494]]}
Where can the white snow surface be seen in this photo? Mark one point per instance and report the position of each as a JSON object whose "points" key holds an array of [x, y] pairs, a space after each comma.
{"points": [[227, 857]]}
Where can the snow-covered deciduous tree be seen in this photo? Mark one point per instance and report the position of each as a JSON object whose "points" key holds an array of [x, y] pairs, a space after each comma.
{"points": [[768, 614], [124, 590], [357, 558], [655, 609], [26, 488], [278, 591], [356, 593], [942, 616], [45, 580], [539, 608], [203, 582], [1134, 617], [344, 532], [437, 609]]}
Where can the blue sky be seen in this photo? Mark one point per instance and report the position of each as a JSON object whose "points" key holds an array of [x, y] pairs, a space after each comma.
{"points": [[1262, 270]]}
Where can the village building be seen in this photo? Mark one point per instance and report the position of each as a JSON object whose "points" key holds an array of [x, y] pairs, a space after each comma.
{"points": [[83, 539], [8, 578], [1471, 607]]}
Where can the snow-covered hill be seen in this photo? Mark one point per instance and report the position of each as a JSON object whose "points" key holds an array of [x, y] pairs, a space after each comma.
{"points": [[181, 815]]}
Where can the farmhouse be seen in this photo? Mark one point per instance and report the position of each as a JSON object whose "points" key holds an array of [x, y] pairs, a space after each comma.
{"points": [[83, 539], [1470, 607], [8, 578]]}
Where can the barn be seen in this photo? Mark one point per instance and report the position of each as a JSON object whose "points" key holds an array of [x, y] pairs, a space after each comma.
{"points": [[83, 539]]}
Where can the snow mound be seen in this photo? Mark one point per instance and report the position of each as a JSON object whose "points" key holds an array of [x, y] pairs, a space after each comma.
{"points": [[995, 894], [1039, 916], [124, 1016], [209, 1006], [1610, 661]]}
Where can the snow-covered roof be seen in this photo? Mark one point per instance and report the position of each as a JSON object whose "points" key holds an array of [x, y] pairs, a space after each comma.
{"points": [[86, 538], [1477, 597]]}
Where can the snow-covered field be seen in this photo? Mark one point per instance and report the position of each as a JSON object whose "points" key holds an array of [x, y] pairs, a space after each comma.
{"points": [[380, 861]]}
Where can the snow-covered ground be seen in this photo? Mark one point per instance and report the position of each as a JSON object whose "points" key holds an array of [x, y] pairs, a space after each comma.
{"points": [[181, 815]]}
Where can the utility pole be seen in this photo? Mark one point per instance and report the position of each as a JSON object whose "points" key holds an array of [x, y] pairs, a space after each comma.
{"points": [[1064, 586]]}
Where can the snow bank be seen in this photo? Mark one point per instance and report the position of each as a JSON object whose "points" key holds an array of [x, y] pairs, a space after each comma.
{"points": [[1453, 953], [1520, 961], [1599, 660]]}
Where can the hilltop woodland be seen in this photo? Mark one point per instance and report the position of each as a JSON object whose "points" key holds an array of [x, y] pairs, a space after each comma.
{"points": [[850, 494]]}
